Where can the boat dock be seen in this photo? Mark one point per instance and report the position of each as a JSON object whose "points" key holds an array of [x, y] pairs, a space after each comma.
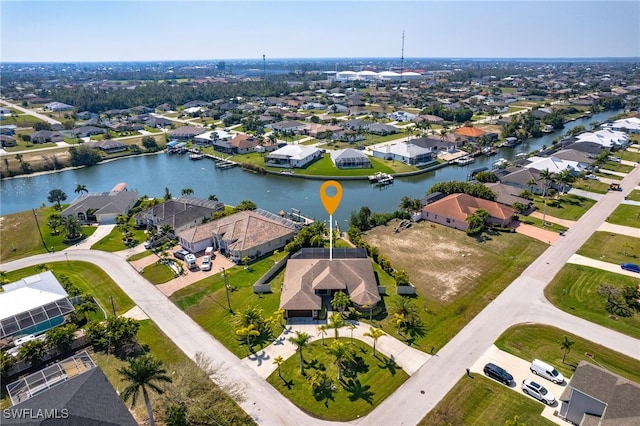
{"points": [[380, 178]]}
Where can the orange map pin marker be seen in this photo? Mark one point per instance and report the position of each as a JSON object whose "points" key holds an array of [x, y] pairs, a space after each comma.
{"points": [[330, 202]]}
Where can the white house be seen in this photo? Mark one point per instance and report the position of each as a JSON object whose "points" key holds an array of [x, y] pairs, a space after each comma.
{"points": [[608, 138], [292, 156], [631, 125], [57, 106], [214, 135], [555, 165], [407, 153]]}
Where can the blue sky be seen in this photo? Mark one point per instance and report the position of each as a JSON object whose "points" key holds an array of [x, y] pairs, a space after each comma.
{"points": [[60, 31]]}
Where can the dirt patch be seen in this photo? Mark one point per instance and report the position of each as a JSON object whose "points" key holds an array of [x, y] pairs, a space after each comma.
{"points": [[441, 261]]}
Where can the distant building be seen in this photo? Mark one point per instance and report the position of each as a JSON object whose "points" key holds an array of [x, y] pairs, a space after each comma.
{"points": [[57, 106]]}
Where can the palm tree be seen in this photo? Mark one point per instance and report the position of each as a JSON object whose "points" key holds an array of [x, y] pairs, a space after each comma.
{"points": [[336, 322], [375, 334], [531, 183], [80, 189], [278, 361], [323, 330], [187, 191], [566, 346], [72, 227], [341, 352], [300, 341], [213, 197], [340, 301], [143, 373], [249, 332], [547, 177], [564, 177]]}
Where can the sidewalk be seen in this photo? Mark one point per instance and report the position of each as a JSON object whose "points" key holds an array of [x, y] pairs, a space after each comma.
{"points": [[408, 358], [101, 232], [564, 222]]}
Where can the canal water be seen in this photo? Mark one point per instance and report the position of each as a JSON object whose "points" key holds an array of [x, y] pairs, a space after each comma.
{"points": [[149, 175]]}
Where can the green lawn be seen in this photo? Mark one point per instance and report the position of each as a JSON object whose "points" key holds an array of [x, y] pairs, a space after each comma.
{"points": [[634, 195], [22, 146], [591, 186], [482, 401], [205, 301], [543, 342], [365, 383], [113, 242], [139, 256], [325, 167], [574, 290], [157, 273], [629, 156], [626, 215], [89, 278], [568, 206], [20, 236], [617, 167], [612, 248], [538, 223]]}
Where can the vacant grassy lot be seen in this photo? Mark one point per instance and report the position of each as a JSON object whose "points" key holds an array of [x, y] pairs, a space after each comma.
{"points": [[617, 167], [89, 278], [575, 290], [157, 273], [591, 186], [634, 195], [612, 248], [543, 342], [206, 302], [455, 275], [366, 381], [20, 237], [114, 242], [626, 215], [630, 155], [568, 206], [481, 401]]}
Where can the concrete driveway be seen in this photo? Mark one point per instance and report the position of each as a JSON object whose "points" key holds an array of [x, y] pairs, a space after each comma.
{"points": [[520, 369]]}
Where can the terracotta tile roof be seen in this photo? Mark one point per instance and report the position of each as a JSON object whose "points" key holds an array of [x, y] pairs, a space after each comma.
{"points": [[461, 206], [473, 132]]}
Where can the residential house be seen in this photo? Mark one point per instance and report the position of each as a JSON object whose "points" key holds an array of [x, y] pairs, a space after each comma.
{"points": [[211, 137], [186, 132], [7, 141], [286, 126], [595, 396], [46, 136], [381, 129], [574, 155], [242, 143], [84, 131], [607, 138], [242, 234], [507, 194], [158, 122], [523, 179], [102, 207], [469, 133], [402, 116], [293, 156], [33, 305], [454, 209], [180, 214], [73, 391], [108, 146], [629, 125], [555, 165], [405, 152], [310, 275], [350, 159], [57, 106]]}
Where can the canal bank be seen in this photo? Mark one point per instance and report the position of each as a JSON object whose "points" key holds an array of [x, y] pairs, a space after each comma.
{"points": [[151, 174]]}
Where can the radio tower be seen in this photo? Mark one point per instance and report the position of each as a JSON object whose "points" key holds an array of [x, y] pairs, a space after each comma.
{"points": [[402, 58]]}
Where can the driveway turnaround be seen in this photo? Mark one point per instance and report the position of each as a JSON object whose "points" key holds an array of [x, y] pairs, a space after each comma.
{"points": [[522, 302]]}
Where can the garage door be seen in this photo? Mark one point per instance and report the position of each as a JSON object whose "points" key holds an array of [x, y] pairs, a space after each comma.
{"points": [[299, 314]]}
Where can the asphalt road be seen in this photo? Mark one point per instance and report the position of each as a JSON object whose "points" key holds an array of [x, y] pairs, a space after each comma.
{"points": [[30, 112], [522, 302]]}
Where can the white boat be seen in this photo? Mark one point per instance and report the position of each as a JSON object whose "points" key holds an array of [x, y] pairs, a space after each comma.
{"points": [[463, 161], [500, 163], [195, 157]]}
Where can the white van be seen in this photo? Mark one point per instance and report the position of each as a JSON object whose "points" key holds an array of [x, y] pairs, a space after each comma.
{"points": [[545, 370], [190, 259]]}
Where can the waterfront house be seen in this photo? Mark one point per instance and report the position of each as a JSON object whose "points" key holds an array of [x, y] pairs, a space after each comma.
{"points": [[454, 209], [242, 234], [607, 138], [595, 396], [350, 159], [186, 132], [310, 275], [180, 214], [108, 146], [523, 179], [629, 125], [555, 165], [211, 137], [102, 207], [404, 152], [292, 156], [46, 136]]}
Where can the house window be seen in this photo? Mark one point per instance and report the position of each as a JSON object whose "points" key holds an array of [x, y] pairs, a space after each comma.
{"points": [[448, 220], [426, 214]]}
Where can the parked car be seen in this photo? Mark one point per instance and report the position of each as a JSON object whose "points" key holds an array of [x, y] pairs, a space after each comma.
{"points": [[591, 176], [209, 252], [630, 267], [497, 373], [614, 159], [147, 244], [538, 391], [206, 263], [180, 254], [547, 371], [190, 260]]}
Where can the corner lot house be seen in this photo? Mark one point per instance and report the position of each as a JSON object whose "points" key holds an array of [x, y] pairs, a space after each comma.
{"points": [[453, 210], [32, 305], [102, 207], [243, 234], [310, 276], [596, 396], [292, 156]]}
